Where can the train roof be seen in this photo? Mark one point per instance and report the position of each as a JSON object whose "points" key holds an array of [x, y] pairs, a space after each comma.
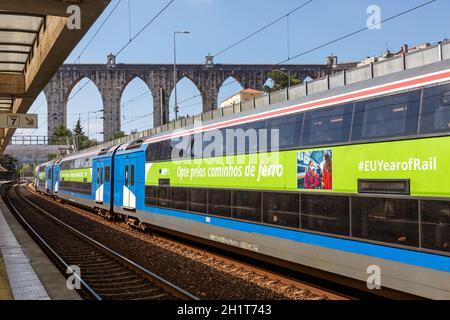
{"points": [[379, 86], [431, 59]]}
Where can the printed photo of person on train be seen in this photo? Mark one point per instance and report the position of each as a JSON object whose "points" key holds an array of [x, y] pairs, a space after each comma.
{"points": [[314, 170]]}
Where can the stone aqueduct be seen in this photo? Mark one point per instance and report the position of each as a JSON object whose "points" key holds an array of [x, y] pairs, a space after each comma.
{"points": [[111, 80]]}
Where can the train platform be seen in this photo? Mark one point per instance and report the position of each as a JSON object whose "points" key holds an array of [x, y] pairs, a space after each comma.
{"points": [[26, 273]]}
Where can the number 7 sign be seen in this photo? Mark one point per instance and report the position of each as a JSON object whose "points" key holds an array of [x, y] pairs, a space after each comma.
{"points": [[13, 121], [18, 120]]}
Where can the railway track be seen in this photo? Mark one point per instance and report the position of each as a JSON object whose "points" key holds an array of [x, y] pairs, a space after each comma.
{"points": [[105, 274], [228, 263]]}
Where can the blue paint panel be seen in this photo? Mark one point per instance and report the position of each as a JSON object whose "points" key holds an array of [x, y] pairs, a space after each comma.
{"points": [[76, 194], [137, 158], [55, 176], [420, 259], [49, 177], [99, 164]]}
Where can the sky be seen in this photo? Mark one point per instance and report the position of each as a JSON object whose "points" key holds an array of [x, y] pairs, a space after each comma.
{"points": [[214, 25]]}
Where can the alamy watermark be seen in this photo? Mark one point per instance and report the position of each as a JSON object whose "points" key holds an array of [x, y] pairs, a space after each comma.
{"points": [[374, 280], [73, 281], [374, 19], [218, 145], [245, 152], [74, 17]]}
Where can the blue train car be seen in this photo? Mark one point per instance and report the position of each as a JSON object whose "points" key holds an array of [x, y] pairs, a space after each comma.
{"points": [[367, 227], [40, 178], [76, 179], [102, 180], [49, 177], [129, 178], [56, 170]]}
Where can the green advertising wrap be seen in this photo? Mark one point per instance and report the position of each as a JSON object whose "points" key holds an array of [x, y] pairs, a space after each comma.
{"points": [[77, 175], [425, 162]]}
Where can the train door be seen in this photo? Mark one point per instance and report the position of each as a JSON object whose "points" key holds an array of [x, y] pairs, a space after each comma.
{"points": [[48, 178], [129, 186], [56, 174], [99, 182]]}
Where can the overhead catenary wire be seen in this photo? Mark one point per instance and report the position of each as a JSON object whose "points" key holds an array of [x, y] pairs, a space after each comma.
{"points": [[350, 34], [98, 30], [137, 118], [145, 27], [78, 91], [231, 46], [129, 41], [329, 42], [78, 58], [262, 28]]}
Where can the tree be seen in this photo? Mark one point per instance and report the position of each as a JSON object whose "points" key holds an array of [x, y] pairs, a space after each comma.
{"points": [[25, 170], [78, 130], [61, 134], [53, 156], [9, 163], [281, 81], [118, 134], [81, 140]]}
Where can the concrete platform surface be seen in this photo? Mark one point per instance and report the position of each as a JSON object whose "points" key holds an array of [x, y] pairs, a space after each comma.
{"points": [[30, 273]]}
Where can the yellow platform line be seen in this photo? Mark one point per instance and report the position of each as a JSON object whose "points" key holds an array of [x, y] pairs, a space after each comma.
{"points": [[5, 290]]}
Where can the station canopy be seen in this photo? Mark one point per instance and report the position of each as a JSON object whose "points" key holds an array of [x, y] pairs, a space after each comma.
{"points": [[34, 41]]}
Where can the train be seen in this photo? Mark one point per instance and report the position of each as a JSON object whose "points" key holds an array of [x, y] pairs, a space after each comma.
{"points": [[349, 183]]}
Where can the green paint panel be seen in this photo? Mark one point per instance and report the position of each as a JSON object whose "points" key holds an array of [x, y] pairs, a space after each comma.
{"points": [[426, 162], [77, 175]]}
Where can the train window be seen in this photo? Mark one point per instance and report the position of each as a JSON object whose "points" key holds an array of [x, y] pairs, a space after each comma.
{"points": [[247, 205], [150, 196], [386, 220], [77, 187], [126, 175], [132, 175], [77, 163], [213, 143], [219, 202], [98, 176], [435, 117], [387, 117], [179, 198], [181, 147], [281, 209], [197, 200], [152, 151], [435, 224], [164, 197], [107, 174], [327, 126], [243, 139], [165, 150], [323, 213], [194, 145], [288, 129]]}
